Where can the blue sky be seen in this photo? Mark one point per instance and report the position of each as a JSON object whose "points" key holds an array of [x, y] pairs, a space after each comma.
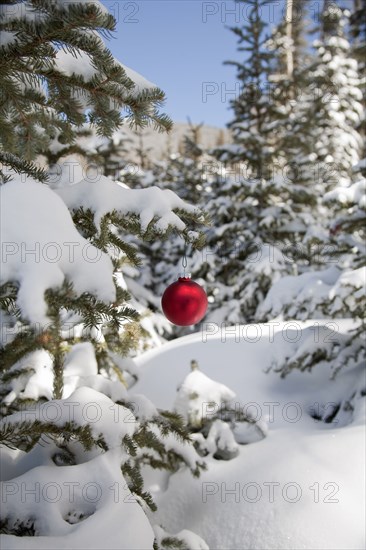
{"points": [[180, 45]]}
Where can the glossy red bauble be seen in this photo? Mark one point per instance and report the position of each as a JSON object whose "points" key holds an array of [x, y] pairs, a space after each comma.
{"points": [[184, 302]]}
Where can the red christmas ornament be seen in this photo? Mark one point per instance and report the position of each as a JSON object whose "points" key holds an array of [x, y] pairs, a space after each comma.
{"points": [[184, 302]]}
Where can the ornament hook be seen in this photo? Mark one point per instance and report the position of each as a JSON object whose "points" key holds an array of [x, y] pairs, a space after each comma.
{"points": [[184, 260]]}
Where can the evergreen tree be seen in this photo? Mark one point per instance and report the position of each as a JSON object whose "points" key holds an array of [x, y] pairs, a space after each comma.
{"points": [[358, 48], [242, 256], [184, 172], [288, 44], [57, 74], [326, 143], [295, 152], [338, 107], [142, 151], [320, 142], [67, 323], [251, 126], [262, 222], [324, 133], [333, 294], [113, 156]]}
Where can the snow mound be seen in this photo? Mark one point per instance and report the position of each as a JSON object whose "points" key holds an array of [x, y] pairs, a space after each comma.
{"points": [[43, 496], [79, 505], [302, 486], [197, 393]]}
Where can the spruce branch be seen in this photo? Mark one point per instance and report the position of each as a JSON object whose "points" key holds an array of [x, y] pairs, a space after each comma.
{"points": [[24, 435]]}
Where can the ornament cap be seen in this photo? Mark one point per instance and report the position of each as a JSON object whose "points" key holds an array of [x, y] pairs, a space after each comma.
{"points": [[183, 275]]}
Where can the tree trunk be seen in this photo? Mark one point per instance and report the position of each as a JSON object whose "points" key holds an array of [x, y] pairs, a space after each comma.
{"points": [[289, 52]]}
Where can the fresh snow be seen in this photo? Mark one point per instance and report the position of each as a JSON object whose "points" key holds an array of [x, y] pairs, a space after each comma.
{"points": [[302, 486], [196, 391], [314, 288], [104, 196], [140, 82], [105, 417], [355, 194], [83, 506], [71, 506], [76, 500], [41, 246], [6, 38], [81, 64]]}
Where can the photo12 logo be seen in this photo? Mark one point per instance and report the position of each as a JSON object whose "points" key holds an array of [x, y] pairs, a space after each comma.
{"points": [[272, 11], [124, 11], [290, 331], [270, 491]]}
